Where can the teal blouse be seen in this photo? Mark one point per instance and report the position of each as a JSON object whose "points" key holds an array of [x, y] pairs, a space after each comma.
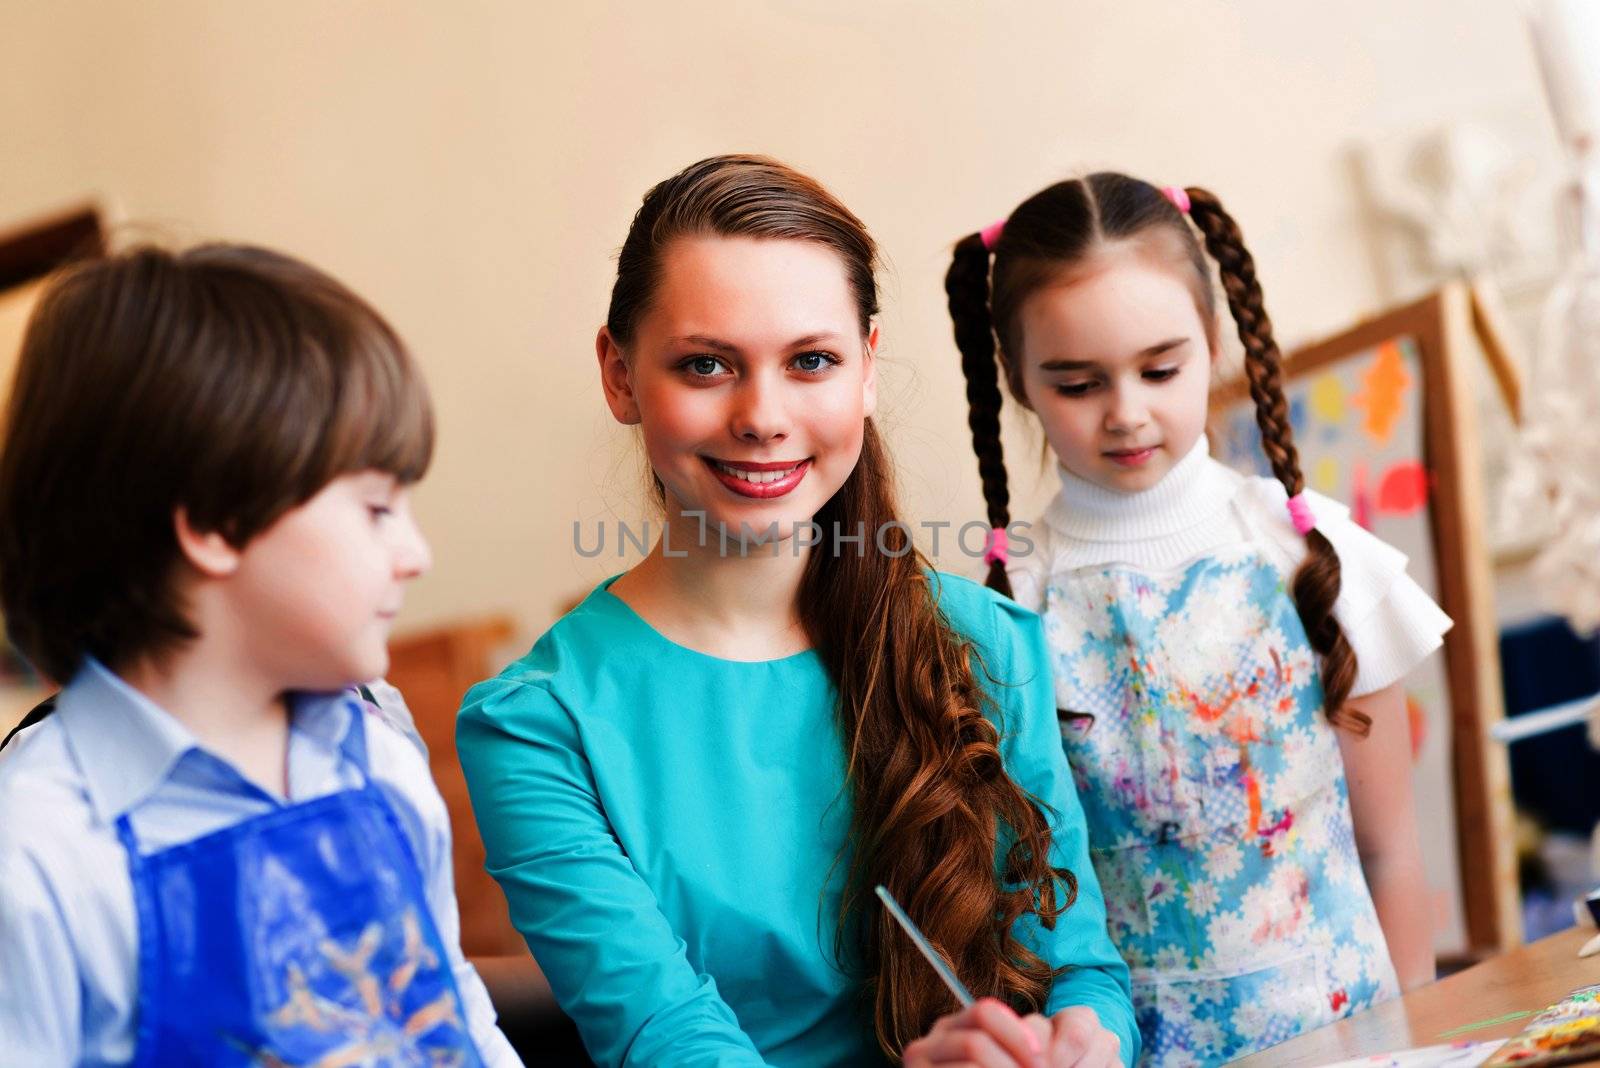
{"points": [[666, 825]]}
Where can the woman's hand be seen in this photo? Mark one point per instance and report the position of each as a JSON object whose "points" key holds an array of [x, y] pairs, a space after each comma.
{"points": [[987, 1035], [1077, 1040], [990, 1035]]}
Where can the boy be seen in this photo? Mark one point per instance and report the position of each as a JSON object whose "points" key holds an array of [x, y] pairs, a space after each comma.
{"points": [[209, 853]]}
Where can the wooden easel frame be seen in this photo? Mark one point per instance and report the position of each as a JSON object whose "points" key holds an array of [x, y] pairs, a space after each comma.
{"points": [[1446, 326]]}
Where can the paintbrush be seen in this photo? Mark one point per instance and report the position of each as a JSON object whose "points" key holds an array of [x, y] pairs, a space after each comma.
{"points": [[957, 988]]}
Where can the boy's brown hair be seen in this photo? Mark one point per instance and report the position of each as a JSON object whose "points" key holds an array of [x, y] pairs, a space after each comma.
{"points": [[227, 381]]}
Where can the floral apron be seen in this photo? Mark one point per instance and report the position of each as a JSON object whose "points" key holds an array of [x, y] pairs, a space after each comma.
{"points": [[1218, 814]]}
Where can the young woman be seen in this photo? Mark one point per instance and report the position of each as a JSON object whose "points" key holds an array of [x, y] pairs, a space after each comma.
{"points": [[691, 785]]}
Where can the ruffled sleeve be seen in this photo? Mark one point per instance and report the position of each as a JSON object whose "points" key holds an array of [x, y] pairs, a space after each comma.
{"points": [[1389, 621]]}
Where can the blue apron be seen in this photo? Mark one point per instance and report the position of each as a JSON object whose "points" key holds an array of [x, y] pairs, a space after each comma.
{"points": [[1219, 817], [300, 937]]}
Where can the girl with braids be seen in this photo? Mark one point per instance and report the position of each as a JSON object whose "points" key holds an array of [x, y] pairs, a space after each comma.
{"points": [[691, 785], [1228, 652]]}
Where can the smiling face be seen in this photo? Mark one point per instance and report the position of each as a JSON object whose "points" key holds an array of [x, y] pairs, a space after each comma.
{"points": [[1116, 361], [749, 378]]}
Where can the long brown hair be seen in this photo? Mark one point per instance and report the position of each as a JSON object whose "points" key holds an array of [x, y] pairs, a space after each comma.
{"points": [[930, 797], [1062, 226]]}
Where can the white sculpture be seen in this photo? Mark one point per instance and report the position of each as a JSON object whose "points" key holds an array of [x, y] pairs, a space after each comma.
{"points": [[1554, 476]]}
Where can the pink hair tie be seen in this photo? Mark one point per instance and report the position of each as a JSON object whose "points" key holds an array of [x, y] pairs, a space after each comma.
{"points": [[994, 550], [1300, 513], [1178, 195], [991, 234]]}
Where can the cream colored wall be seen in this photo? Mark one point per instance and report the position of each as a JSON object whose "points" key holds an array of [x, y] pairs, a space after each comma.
{"points": [[472, 169]]}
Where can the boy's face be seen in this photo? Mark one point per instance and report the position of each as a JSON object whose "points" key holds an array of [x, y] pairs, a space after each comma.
{"points": [[316, 593]]}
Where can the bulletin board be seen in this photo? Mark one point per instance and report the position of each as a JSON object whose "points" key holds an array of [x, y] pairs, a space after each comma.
{"points": [[1384, 419]]}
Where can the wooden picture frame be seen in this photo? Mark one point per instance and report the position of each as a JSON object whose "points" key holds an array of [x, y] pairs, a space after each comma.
{"points": [[1451, 329], [28, 255], [33, 250]]}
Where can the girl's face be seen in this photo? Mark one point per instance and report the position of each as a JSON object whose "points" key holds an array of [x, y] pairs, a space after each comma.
{"points": [[1116, 360], [749, 379]]}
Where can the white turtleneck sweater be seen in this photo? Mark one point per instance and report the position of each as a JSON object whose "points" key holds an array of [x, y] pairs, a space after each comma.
{"points": [[1201, 506]]}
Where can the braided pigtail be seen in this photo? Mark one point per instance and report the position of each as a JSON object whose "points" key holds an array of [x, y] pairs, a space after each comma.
{"points": [[1316, 584], [967, 285]]}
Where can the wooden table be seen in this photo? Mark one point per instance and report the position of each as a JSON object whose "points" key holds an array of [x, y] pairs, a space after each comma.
{"points": [[1530, 977]]}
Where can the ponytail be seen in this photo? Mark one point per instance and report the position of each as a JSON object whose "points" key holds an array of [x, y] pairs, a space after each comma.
{"points": [[931, 794]]}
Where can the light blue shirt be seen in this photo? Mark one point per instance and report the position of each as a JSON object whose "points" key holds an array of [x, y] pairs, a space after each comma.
{"points": [[68, 932], [668, 827]]}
